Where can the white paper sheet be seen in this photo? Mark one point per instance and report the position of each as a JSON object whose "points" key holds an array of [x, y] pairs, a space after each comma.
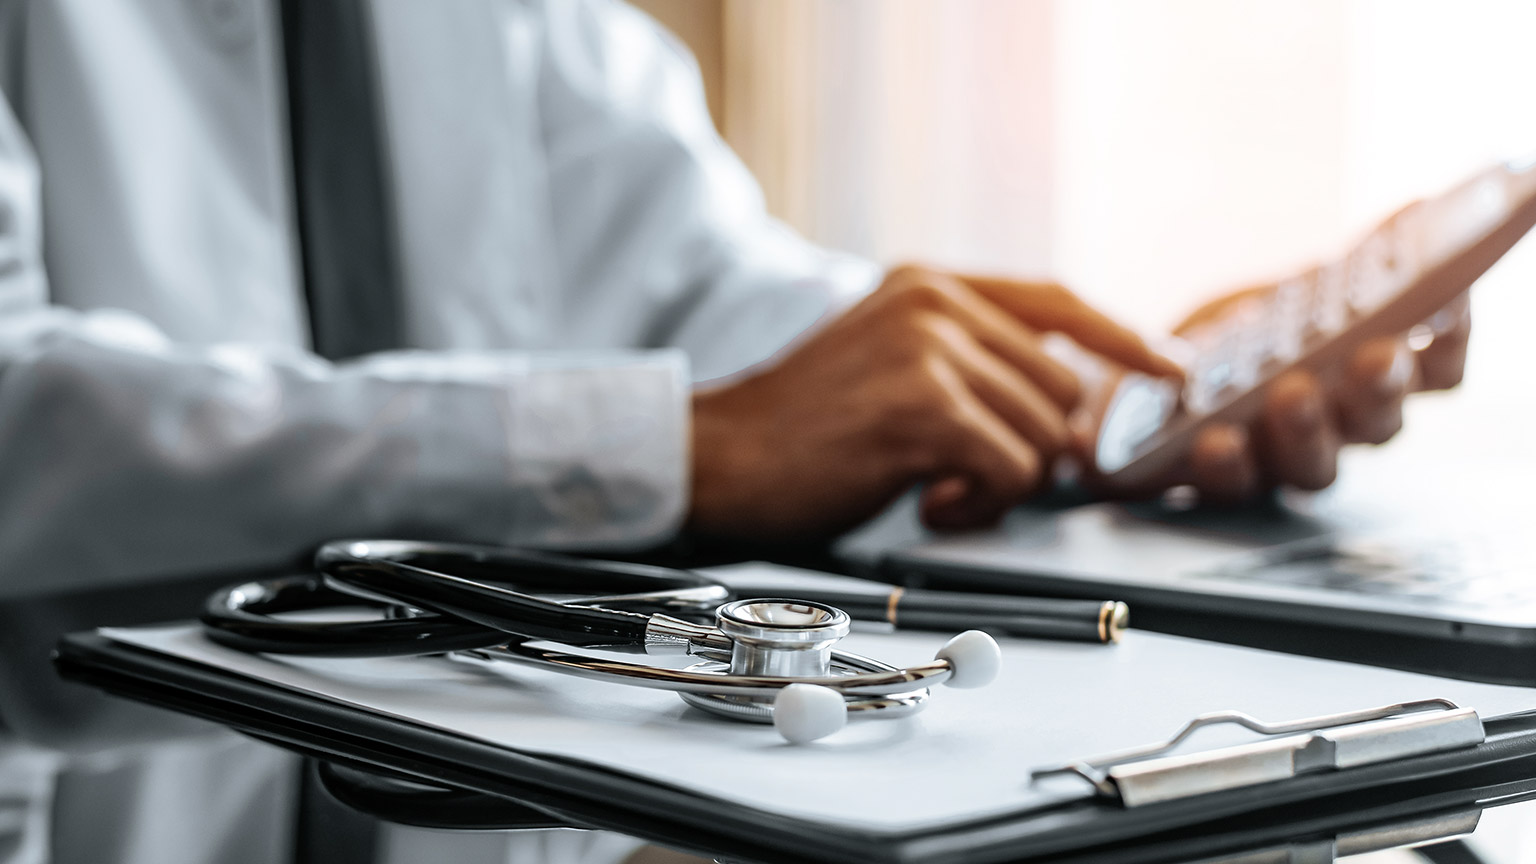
{"points": [[787, 579], [967, 756]]}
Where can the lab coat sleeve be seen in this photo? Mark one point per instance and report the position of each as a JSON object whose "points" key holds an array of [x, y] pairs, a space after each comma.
{"points": [[648, 200], [123, 454]]}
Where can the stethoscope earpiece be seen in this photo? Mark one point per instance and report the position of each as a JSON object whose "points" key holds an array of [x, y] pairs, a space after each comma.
{"points": [[974, 659], [806, 712]]}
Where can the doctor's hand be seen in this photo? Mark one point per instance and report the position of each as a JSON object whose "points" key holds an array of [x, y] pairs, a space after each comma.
{"points": [[934, 378], [1306, 421]]}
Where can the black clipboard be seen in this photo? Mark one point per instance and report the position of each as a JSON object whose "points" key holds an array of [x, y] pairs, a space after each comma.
{"points": [[587, 795]]}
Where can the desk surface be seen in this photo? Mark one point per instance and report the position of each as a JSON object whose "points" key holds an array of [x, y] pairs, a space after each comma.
{"points": [[1503, 835], [1499, 830]]}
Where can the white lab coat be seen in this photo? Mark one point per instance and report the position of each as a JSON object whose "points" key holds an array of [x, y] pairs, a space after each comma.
{"points": [[573, 236]]}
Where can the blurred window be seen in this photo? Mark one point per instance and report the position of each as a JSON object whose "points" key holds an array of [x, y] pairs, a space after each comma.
{"points": [[1146, 152]]}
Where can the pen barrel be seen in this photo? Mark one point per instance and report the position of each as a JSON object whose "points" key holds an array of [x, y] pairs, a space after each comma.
{"points": [[1073, 629], [1042, 617], [962, 602]]}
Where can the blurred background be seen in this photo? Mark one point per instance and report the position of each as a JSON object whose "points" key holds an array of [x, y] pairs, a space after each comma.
{"points": [[1148, 153]]}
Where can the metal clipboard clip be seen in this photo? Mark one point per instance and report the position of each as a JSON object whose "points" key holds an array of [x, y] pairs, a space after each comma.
{"points": [[1145, 775]]}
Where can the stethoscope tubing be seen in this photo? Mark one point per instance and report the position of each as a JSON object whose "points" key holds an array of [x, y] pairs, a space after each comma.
{"points": [[245, 617], [492, 606], [462, 612], [872, 677]]}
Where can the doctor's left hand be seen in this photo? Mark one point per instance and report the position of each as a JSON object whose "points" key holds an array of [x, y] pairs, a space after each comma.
{"points": [[1306, 421], [934, 378]]}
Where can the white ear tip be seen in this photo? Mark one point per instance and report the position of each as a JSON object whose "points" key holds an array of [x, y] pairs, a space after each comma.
{"points": [[805, 712], [974, 659]]}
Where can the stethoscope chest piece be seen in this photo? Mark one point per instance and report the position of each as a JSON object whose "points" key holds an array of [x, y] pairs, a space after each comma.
{"points": [[778, 638]]}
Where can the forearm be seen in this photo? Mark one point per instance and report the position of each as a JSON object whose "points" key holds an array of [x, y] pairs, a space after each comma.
{"points": [[124, 456]]}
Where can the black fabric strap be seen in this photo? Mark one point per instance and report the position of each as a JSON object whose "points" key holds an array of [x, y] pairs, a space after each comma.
{"points": [[345, 220]]}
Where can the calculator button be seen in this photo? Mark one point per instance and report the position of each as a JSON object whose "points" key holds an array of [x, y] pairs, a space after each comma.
{"points": [[1218, 374], [1249, 346], [1330, 309], [1288, 319], [1370, 277], [1403, 247]]}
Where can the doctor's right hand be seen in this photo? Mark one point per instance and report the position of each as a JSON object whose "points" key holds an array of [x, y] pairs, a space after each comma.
{"points": [[934, 378]]}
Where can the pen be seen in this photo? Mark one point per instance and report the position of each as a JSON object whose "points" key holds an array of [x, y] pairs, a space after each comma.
{"points": [[912, 609]]}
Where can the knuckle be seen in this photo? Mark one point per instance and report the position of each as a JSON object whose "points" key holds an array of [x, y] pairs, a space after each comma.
{"points": [[927, 294], [1068, 390], [923, 394], [1046, 430], [1442, 378], [930, 324], [1028, 467], [1386, 433], [1379, 430], [1056, 437], [935, 393], [921, 335], [920, 288], [1318, 477], [1387, 429], [907, 274], [1016, 470]]}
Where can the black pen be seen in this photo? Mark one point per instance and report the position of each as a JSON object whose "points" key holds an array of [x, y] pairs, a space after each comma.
{"points": [[906, 608]]}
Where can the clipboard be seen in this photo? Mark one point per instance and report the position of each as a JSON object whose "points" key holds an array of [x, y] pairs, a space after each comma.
{"points": [[1079, 819]]}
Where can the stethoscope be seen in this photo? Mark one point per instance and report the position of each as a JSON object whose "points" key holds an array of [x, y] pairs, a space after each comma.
{"points": [[769, 660]]}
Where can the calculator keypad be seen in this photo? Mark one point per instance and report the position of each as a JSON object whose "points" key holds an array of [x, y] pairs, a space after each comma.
{"points": [[1414, 262]]}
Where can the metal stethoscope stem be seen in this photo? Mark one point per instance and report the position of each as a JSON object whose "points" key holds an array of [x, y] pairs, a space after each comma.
{"points": [[873, 678]]}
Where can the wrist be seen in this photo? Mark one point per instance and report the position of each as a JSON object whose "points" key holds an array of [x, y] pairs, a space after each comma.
{"points": [[713, 457]]}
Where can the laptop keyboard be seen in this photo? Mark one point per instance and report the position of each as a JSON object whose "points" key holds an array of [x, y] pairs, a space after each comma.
{"points": [[1471, 569]]}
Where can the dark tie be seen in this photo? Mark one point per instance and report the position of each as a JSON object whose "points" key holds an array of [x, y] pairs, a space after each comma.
{"points": [[345, 225]]}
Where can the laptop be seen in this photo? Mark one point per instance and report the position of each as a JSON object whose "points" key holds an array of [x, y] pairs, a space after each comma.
{"points": [[1421, 557]]}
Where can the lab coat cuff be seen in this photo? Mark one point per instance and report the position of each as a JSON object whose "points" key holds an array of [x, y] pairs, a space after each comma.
{"points": [[600, 449], [736, 340]]}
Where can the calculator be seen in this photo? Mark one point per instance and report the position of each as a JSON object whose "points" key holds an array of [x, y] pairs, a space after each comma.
{"points": [[1396, 279]]}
